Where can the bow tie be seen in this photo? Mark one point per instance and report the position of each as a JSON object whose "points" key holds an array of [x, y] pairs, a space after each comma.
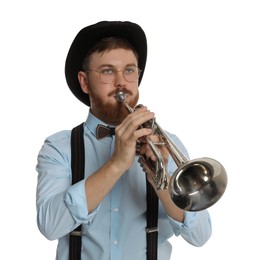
{"points": [[103, 131]]}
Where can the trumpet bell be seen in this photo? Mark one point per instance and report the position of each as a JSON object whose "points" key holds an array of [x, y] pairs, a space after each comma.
{"points": [[198, 184]]}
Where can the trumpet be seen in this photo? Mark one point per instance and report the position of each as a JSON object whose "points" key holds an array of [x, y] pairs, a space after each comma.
{"points": [[195, 185]]}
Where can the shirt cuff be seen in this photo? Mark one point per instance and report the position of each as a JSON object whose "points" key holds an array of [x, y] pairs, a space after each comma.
{"points": [[76, 201], [190, 220]]}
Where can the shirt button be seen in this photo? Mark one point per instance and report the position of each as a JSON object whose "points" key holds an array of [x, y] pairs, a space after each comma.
{"points": [[115, 242], [116, 209]]}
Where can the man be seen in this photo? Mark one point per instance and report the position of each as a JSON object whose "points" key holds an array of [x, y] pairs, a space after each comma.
{"points": [[110, 202]]}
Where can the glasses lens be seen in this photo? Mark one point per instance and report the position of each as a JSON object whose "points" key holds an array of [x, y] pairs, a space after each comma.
{"points": [[131, 74], [107, 76]]}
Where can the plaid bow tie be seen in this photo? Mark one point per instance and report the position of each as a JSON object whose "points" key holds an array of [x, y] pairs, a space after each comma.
{"points": [[103, 131]]}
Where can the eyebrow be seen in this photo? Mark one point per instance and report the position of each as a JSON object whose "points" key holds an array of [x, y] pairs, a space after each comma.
{"points": [[112, 66]]}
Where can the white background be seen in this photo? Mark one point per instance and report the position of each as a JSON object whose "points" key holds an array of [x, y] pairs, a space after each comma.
{"points": [[199, 52]]}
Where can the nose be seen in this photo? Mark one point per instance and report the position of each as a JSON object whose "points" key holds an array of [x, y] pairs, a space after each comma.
{"points": [[119, 78]]}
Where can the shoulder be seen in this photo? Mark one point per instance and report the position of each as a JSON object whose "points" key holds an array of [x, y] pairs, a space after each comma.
{"points": [[57, 144], [174, 138], [177, 141], [59, 136]]}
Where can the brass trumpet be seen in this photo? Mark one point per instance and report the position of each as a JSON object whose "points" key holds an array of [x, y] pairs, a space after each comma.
{"points": [[195, 185]]}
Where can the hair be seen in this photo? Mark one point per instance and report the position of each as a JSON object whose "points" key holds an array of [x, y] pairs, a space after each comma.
{"points": [[109, 43]]}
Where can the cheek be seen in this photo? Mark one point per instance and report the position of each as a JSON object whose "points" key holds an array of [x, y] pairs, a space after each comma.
{"points": [[135, 90], [102, 92], [99, 94], [95, 87]]}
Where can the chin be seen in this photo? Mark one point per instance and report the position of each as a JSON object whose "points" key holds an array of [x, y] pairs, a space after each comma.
{"points": [[118, 115]]}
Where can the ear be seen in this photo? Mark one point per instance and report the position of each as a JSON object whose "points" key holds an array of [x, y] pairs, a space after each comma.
{"points": [[82, 78]]}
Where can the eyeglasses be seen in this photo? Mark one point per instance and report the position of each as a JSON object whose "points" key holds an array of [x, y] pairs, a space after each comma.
{"points": [[108, 74]]}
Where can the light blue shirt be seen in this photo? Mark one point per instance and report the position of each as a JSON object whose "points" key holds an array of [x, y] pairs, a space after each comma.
{"points": [[115, 230]]}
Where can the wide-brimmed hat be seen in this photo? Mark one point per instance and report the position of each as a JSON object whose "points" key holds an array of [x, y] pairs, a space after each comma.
{"points": [[85, 40]]}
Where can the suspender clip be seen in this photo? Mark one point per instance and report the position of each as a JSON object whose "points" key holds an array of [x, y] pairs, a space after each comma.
{"points": [[151, 230], [76, 233]]}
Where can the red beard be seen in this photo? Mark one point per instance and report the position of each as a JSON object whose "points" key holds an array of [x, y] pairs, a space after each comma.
{"points": [[112, 114]]}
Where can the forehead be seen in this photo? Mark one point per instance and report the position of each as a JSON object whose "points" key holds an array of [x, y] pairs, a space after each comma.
{"points": [[113, 57]]}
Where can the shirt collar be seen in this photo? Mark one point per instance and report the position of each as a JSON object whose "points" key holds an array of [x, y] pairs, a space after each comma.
{"points": [[92, 122]]}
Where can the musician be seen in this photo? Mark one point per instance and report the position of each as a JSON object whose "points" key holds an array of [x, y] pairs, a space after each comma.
{"points": [[110, 201]]}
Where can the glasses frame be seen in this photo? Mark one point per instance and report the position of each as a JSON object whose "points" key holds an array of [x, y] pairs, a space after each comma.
{"points": [[115, 71]]}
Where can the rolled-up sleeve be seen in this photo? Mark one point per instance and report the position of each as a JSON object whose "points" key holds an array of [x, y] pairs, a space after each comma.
{"points": [[76, 202], [196, 228], [61, 207]]}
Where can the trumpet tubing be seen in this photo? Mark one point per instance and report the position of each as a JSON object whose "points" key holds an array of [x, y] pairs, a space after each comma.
{"points": [[156, 169], [195, 185]]}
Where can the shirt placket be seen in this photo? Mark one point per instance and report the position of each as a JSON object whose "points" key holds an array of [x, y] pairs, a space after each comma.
{"points": [[115, 217]]}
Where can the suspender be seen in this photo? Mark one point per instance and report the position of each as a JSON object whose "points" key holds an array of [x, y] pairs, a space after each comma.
{"points": [[152, 222], [78, 166]]}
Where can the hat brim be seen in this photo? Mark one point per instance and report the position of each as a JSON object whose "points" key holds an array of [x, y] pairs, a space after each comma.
{"points": [[88, 36]]}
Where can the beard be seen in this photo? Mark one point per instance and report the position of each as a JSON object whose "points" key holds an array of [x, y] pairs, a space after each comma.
{"points": [[111, 113]]}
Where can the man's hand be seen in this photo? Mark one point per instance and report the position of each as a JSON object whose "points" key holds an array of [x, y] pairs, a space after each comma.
{"points": [[127, 135]]}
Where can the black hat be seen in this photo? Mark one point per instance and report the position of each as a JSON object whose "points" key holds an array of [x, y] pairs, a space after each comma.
{"points": [[85, 40]]}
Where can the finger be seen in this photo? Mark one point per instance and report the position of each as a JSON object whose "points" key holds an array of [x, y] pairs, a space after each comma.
{"points": [[146, 150], [133, 122], [138, 118]]}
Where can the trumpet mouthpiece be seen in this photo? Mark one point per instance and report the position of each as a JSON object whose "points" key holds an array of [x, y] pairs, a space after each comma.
{"points": [[120, 96]]}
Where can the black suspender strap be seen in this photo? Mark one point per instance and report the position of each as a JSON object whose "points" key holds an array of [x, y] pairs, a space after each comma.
{"points": [[152, 222], [77, 167]]}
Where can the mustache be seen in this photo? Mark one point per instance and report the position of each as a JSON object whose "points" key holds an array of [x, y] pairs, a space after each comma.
{"points": [[113, 93]]}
